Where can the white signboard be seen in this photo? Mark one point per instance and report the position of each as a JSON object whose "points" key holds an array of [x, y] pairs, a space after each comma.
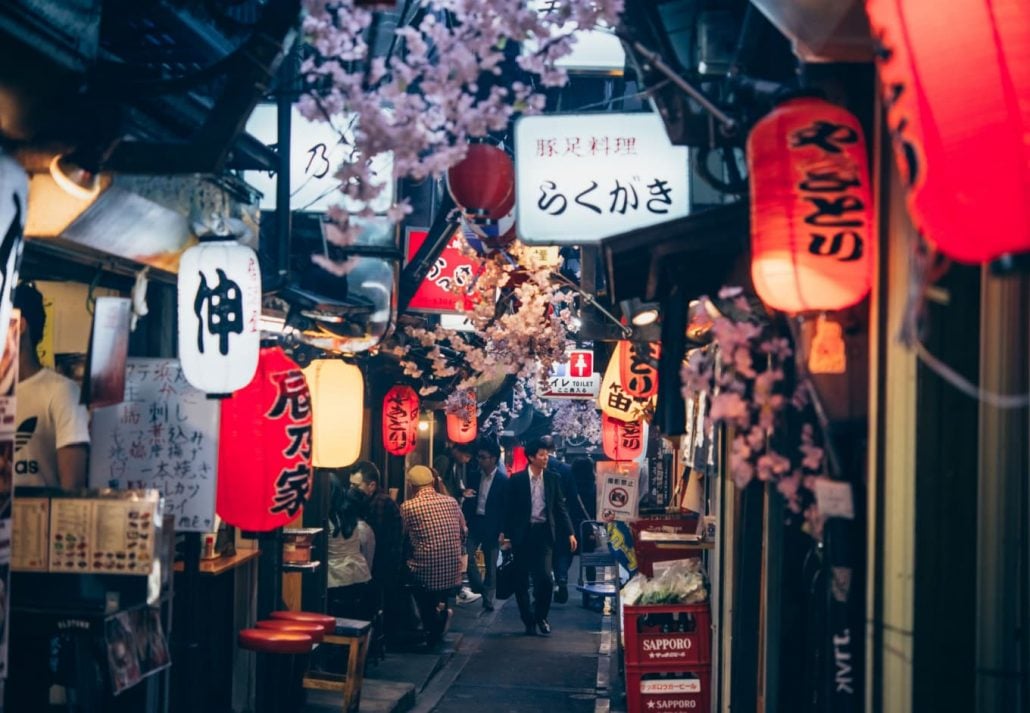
{"points": [[618, 490], [583, 177], [316, 151], [594, 51], [164, 436], [575, 379]]}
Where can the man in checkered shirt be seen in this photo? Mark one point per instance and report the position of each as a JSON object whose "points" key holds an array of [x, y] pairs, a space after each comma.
{"points": [[436, 533]]}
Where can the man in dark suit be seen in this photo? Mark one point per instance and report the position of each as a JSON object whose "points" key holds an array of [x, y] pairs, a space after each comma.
{"points": [[484, 507], [535, 518]]}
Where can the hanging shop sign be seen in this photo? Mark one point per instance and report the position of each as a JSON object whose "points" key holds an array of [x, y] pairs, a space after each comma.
{"points": [[463, 427], [264, 453], [219, 309], [446, 287], [623, 440], [813, 236], [613, 400], [338, 409], [574, 379], [583, 177], [618, 490], [594, 50], [400, 420], [966, 170], [638, 368]]}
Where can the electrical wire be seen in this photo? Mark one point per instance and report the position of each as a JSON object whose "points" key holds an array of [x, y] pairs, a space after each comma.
{"points": [[1000, 401]]}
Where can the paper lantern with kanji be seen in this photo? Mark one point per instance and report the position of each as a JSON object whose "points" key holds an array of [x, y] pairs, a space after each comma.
{"points": [[956, 80], [462, 426], [264, 448], [623, 440], [400, 420], [638, 368], [813, 237], [613, 400], [14, 189], [219, 307], [338, 405], [483, 183]]}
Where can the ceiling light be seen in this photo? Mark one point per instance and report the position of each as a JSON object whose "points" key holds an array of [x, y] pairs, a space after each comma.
{"points": [[646, 317], [74, 179]]}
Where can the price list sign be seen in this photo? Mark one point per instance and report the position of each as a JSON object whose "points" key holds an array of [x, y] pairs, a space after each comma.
{"points": [[163, 436]]}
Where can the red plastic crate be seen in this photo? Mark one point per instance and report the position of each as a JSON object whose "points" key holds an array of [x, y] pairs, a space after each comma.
{"points": [[664, 636], [684, 689], [650, 552]]}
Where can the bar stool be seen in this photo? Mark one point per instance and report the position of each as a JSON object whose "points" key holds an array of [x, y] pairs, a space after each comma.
{"points": [[281, 654]]}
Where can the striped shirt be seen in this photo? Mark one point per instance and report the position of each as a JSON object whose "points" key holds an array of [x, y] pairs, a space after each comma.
{"points": [[436, 532]]}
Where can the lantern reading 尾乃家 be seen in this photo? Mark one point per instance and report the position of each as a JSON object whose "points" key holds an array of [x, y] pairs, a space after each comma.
{"points": [[264, 450], [338, 411], [622, 440], [219, 306], [638, 368], [400, 420], [812, 231], [956, 80]]}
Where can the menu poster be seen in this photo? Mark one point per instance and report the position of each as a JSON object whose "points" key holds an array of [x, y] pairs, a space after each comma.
{"points": [[136, 647], [163, 436], [618, 490], [31, 549], [123, 536], [70, 534], [104, 383]]}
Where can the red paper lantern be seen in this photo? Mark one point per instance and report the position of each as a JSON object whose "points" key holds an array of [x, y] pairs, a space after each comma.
{"points": [[638, 368], [956, 77], [462, 427], [813, 237], [264, 454], [518, 459], [622, 440], [483, 183], [400, 420]]}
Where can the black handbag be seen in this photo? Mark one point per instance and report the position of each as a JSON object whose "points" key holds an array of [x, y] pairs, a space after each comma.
{"points": [[506, 576]]}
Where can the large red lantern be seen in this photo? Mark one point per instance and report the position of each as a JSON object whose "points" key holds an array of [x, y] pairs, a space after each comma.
{"points": [[519, 461], [622, 440], [400, 420], [483, 183], [813, 237], [462, 427], [264, 453], [956, 77], [638, 368]]}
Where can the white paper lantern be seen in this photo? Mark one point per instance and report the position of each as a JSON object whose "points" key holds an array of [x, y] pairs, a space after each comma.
{"points": [[219, 308], [14, 190], [338, 411]]}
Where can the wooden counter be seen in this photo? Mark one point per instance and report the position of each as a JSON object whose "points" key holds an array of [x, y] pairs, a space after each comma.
{"points": [[222, 564]]}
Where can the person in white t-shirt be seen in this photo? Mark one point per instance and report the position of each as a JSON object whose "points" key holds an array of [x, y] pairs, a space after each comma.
{"points": [[52, 438]]}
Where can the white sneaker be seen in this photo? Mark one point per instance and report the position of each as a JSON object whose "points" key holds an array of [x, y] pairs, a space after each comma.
{"points": [[467, 596]]}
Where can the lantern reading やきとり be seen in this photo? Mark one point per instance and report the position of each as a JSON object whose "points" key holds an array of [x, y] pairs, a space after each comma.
{"points": [[264, 450], [338, 410], [400, 420], [219, 308], [813, 238], [638, 368], [956, 83]]}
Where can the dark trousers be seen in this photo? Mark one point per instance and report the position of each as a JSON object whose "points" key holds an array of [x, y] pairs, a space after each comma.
{"points": [[432, 608], [483, 585], [533, 561], [562, 561]]}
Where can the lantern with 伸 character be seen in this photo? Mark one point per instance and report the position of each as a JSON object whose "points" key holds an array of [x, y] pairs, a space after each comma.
{"points": [[264, 453], [813, 237], [462, 426], [400, 420], [623, 440], [337, 403], [483, 183], [638, 368], [956, 78]]}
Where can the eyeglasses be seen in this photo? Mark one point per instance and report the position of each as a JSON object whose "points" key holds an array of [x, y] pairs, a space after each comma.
{"points": [[484, 456]]}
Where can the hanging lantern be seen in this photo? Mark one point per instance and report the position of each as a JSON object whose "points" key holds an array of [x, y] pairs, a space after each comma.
{"points": [[623, 440], [813, 238], [638, 368], [14, 190], [264, 454], [462, 426], [400, 420], [956, 78], [338, 405], [219, 307], [613, 400], [518, 459], [483, 183]]}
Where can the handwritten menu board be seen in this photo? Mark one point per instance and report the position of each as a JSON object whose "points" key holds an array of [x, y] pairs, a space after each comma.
{"points": [[31, 549], [163, 436]]}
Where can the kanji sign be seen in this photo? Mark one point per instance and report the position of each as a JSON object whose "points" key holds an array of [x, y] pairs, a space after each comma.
{"points": [[574, 379], [583, 177], [452, 270]]}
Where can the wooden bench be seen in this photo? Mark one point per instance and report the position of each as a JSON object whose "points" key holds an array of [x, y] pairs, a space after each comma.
{"points": [[352, 633]]}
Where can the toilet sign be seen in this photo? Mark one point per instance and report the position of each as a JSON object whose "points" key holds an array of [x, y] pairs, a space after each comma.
{"points": [[574, 379]]}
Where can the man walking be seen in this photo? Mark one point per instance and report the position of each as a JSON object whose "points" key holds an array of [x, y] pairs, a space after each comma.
{"points": [[484, 507], [562, 553], [535, 519], [436, 535]]}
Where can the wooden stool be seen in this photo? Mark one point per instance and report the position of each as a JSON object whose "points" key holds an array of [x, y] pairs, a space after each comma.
{"points": [[281, 655], [353, 634]]}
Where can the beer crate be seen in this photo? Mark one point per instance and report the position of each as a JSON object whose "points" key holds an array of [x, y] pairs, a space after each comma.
{"points": [[664, 636], [680, 689], [663, 539]]}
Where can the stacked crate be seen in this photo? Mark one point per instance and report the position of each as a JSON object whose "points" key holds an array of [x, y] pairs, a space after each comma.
{"points": [[668, 657]]}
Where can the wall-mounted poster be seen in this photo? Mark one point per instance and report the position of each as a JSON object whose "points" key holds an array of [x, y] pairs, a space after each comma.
{"points": [[618, 490]]}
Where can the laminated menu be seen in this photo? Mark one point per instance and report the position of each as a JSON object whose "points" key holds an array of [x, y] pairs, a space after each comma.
{"points": [[71, 534], [123, 536], [30, 541]]}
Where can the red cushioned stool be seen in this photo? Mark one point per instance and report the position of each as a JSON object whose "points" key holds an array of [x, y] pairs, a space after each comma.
{"points": [[328, 622], [282, 654], [312, 628]]}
